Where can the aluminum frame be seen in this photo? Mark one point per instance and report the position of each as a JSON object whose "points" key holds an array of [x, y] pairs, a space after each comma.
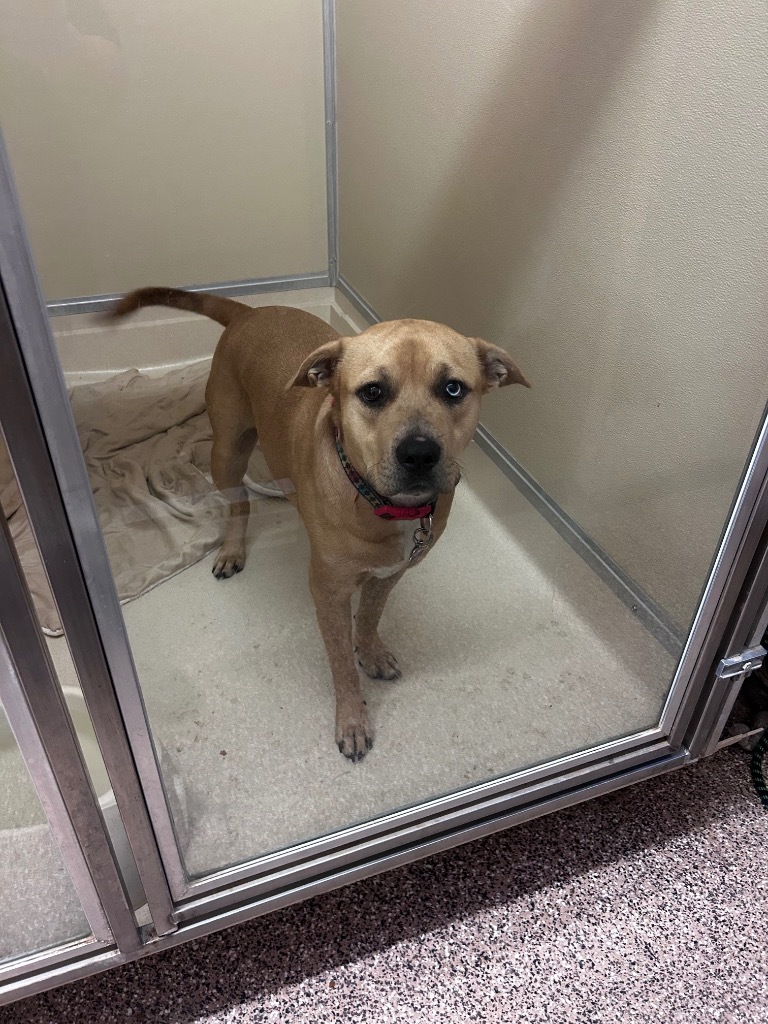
{"points": [[588, 790], [421, 848], [761, 624], [49, 974], [745, 630], [331, 140], [404, 831], [353, 295], [741, 537], [15, 973]]}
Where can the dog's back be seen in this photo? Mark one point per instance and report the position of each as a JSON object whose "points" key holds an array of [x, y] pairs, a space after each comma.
{"points": [[254, 361], [256, 357]]}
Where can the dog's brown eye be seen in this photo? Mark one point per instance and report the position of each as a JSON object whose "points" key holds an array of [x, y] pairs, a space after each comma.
{"points": [[371, 394], [454, 389]]}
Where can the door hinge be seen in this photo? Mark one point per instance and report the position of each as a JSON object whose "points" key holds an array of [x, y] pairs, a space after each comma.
{"points": [[739, 664]]}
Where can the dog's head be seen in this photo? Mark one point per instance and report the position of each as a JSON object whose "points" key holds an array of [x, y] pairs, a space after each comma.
{"points": [[407, 401]]}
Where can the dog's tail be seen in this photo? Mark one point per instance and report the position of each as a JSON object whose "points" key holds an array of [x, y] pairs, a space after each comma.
{"points": [[214, 306]]}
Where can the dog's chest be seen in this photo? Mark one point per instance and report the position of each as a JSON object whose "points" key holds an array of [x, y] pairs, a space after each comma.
{"points": [[403, 542]]}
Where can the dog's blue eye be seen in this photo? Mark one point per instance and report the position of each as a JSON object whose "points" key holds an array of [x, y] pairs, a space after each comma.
{"points": [[454, 389], [371, 393]]}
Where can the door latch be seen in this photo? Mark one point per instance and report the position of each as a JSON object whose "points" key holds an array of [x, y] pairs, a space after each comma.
{"points": [[739, 664]]}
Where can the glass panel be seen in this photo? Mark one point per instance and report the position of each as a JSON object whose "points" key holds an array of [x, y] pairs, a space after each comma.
{"points": [[38, 902], [564, 212], [36, 580], [39, 907]]}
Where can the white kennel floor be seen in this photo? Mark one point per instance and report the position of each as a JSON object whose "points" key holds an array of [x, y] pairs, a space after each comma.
{"points": [[513, 652]]}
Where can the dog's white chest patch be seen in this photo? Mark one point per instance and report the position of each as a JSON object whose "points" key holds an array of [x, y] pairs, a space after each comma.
{"points": [[405, 528]]}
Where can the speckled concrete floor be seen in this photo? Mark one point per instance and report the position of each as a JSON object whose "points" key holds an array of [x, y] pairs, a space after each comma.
{"points": [[646, 905]]}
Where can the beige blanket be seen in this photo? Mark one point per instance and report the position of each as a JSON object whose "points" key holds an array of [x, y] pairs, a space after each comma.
{"points": [[147, 446]]}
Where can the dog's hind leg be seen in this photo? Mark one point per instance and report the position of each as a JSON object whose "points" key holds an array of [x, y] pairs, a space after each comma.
{"points": [[232, 446]]}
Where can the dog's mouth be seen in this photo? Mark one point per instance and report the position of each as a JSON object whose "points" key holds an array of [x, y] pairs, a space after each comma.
{"points": [[408, 490], [412, 497]]}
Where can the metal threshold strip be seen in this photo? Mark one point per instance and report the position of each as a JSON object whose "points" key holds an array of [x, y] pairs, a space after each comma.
{"points": [[402, 833], [194, 921]]}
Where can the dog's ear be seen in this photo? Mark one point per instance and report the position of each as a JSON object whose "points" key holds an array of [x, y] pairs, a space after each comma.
{"points": [[318, 368], [499, 369]]}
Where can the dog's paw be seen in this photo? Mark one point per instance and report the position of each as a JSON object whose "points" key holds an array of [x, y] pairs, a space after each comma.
{"points": [[228, 562], [376, 661], [354, 735]]}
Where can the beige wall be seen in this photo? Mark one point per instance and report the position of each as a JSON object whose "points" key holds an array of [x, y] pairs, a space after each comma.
{"points": [[584, 183], [179, 141]]}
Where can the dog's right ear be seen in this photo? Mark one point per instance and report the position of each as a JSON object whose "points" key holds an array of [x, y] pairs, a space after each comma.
{"points": [[318, 368]]}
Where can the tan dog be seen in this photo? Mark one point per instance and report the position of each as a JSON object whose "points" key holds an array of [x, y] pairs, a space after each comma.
{"points": [[347, 421]]}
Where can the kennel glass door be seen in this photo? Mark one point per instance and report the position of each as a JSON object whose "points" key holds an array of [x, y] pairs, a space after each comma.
{"points": [[61, 896], [39, 902], [557, 624]]}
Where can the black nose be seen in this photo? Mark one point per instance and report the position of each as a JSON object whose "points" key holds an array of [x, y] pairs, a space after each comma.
{"points": [[418, 454]]}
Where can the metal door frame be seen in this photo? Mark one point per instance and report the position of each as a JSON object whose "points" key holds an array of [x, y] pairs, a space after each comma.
{"points": [[44, 448], [744, 633]]}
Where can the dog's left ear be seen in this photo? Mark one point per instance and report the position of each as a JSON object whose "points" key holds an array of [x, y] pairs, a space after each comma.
{"points": [[499, 369], [318, 368]]}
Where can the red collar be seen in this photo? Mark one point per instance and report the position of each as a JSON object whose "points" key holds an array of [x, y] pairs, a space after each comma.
{"points": [[380, 506]]}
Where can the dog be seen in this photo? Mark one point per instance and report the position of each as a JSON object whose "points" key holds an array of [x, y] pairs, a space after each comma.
{"points": [[368, 430]]}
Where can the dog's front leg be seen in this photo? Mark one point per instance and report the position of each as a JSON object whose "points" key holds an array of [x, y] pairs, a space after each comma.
{"points": [[372, 656], [333, 604]]}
